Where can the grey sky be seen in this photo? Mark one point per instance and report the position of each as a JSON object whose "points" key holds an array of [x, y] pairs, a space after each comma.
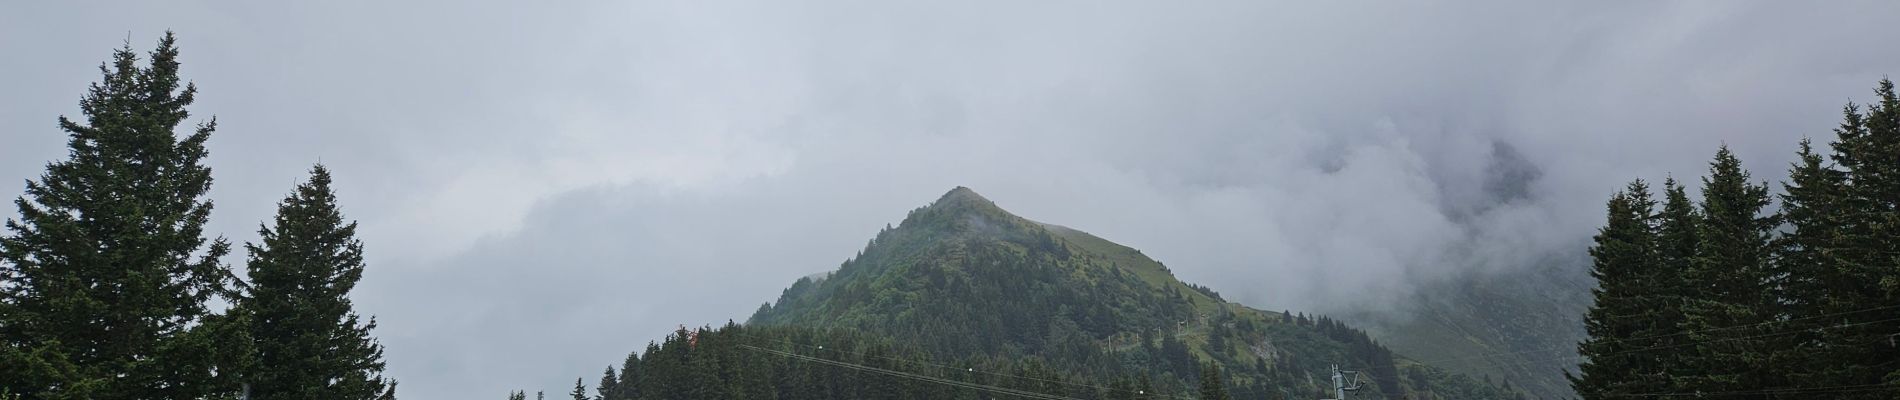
{"points": [[542, 190]]}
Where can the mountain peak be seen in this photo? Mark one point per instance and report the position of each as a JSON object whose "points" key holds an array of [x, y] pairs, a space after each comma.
{"points": [[961, 194], [962, 277], [962, 200]]}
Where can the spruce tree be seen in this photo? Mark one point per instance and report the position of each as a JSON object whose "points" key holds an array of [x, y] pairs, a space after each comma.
{"points": [[1676, 237], [1667, 287], [633, 376], [1866, 276], [1211, 386], [606, 389], [1807, 264], [107, 268], [1882, 200], [580, 390], [1119, 389], [309, 341], [1882, 194], [1623, 257], [1731, 305]]}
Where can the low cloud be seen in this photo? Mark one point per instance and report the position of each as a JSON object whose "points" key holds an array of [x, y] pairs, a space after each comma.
{"points": [[544, 190]]}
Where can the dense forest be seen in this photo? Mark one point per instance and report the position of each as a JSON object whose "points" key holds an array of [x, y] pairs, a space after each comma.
{"points": [[111, 289], [1724, 297], [786, 362]]}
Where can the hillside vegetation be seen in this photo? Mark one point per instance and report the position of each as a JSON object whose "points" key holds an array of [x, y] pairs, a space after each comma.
{"points": [[962, 277]]}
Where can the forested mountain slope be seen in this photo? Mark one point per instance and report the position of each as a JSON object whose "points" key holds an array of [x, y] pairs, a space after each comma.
{"points": [[963, 278]]}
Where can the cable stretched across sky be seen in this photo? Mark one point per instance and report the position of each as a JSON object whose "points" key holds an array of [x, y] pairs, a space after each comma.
{"points": [[969, 370], [1830, 389], [907, 375], [1573, 347]]}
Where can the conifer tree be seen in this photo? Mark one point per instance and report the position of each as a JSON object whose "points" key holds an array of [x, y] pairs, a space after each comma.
{"points": [[1211, 386], [1667, 288], [632, 375], [107, 268], [1676, 235], [1882, 193], [309, 341], [580, 391], [1730, 280], [1866, 278], [1792, 301], [1624, 255], [608, 383], [1119, 389], [1806, 264]]}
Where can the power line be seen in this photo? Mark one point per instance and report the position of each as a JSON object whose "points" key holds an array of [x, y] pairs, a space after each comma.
{"points": [[1807, 390], [1526, 363], [1571, 347], [925, 378], [1518, 364], [969, 369], [863, 354]]}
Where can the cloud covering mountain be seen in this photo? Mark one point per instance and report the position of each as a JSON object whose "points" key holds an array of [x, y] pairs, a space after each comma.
{"points": [[541, 187]]}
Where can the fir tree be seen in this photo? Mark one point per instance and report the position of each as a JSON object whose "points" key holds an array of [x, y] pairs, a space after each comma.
{"points": [[1676, 235], [310, 343], [1806, 263], [1806, 308], [107, 268], [1623, 256], [1667, 289], [1730, 278], [632, 376], [580, 390], [1883, 126], [608, 383], [1211, 386], [1866, 275], [1119, 389]]}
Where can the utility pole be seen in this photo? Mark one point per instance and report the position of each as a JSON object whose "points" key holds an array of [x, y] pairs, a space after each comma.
{"points": [[1339, 383]]}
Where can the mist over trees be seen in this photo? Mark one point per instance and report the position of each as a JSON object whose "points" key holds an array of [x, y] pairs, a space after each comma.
{"points": [[110, 281], [1731, 298]]}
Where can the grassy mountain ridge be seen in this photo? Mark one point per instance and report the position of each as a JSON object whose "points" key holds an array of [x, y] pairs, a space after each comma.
{"points": [[1520, 325], [962, 276]]}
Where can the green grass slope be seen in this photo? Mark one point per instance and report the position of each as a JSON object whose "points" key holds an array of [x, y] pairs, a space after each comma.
{"points": [[1519, 326], [963, 277]]}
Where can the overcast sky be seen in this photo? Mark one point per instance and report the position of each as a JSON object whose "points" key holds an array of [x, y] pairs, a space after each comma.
{"points": [[542, 190]]}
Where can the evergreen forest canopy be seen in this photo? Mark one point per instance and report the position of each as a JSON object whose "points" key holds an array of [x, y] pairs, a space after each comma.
{"points": [[107, 278], [1725, 297], [110, 288]]}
